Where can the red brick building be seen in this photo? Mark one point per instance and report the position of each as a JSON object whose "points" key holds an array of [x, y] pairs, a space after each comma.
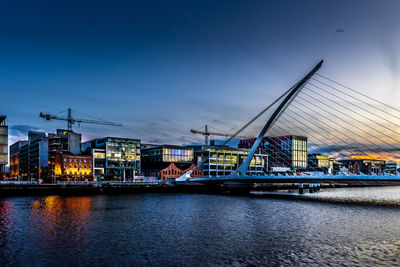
{"points": [[70, 167], [172, 172]]}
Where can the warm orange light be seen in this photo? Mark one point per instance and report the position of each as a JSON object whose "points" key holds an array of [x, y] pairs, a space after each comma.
{"points": [[375, 156]]}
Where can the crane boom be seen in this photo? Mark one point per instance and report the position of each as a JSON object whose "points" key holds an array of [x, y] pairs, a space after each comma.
{"points": [[206, 134], [70, 120]]}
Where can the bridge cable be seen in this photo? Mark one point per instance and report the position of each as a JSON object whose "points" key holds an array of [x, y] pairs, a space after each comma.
{"points": [[354, 132], [357, 106], [335, 124], [351, 124], [281, 157], [344, 141], [358, 92], [358, 113], [271, 138], [258, 115], [366, 125], [314, 168], [308, 134], [357, 149]]}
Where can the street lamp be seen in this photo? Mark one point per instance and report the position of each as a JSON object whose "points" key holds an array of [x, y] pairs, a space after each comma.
{"points": [[52, 171]]}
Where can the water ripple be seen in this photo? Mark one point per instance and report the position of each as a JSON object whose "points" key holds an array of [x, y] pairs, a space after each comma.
{"points": [[205, 230]]}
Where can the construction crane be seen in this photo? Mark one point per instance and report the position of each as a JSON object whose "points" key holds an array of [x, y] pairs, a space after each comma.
{"points": [[71, 121], [206, 134]]}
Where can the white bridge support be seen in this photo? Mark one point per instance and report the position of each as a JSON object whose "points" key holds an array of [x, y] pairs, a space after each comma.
{"points": [[291, 94], [303, 179]]}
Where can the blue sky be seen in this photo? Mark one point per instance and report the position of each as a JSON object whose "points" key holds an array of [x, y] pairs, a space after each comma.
{"points": [[164, 67]]}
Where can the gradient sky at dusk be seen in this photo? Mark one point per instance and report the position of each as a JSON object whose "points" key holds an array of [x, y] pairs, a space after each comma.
{"points": [[164, 67]]}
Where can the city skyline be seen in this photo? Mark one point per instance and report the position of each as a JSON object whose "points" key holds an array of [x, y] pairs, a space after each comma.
{"points": [[162, 68], [191, 133]]}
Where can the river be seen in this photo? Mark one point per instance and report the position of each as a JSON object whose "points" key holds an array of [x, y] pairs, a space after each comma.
{"points": [[349, 226]]}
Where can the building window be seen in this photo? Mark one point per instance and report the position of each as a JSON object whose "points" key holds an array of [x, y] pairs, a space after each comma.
{"points": [[65, 160], [85, 166], [75, 166], [70, 165], [80, 166], [65, 165]]}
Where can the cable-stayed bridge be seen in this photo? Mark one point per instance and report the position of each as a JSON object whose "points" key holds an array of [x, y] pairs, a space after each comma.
{"points": [[335, 119]]}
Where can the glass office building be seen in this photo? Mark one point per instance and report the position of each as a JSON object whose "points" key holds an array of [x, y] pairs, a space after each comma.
{"points": [[14, 158], [283, 151], [318, 161], [177, 155], [217, 161], [33, 157], [118, 157], [167, 153], [3, 143], [298, 151]]}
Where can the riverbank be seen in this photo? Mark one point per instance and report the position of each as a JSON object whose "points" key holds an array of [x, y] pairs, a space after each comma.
{"points": [[82, 189], [32, 189]]}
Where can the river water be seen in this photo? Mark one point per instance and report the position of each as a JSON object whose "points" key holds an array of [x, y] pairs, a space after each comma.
{"points": [[354, 227]]}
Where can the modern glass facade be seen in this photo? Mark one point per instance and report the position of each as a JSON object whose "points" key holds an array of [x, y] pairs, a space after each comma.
{"points": [[23, 161], [99, 163], [122, 153], [318, 161], [14, 158], [167, 153], [177, 155], [283, 151], [3, 143], [33, 157], [38, 158], [217, 161], [119, 156], [299, 152]]}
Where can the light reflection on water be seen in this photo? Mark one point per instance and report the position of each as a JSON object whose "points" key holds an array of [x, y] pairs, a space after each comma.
{"points": [[195, 229], [385, 196]]}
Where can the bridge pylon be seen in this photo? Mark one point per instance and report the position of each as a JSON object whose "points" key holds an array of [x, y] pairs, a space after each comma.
{"points": [[281, 108]]}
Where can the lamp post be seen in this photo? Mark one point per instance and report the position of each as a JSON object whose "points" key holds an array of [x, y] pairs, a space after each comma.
{"points": [[52, 172]]}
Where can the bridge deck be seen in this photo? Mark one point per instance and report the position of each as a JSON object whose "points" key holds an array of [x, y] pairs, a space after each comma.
{"points": [[330, 179]]}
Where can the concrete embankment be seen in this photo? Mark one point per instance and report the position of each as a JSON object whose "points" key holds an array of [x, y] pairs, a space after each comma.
{"points": [[79, 189], [30, 189], [10, 189]]}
